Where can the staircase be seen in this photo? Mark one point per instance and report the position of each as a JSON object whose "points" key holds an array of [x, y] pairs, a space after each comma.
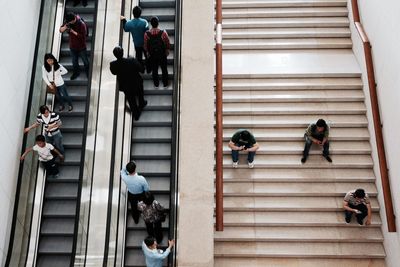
{"points": [[61, 198], [152, 137], [282, 212]]}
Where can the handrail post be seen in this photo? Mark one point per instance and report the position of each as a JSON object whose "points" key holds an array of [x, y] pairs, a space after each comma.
{"points": [[219, 131], [387, 195]]}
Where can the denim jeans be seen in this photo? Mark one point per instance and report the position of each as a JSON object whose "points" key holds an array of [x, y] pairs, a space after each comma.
{"points": [[309, 142], [75, 57], [250, 156], [62, 95], [56, 140]]}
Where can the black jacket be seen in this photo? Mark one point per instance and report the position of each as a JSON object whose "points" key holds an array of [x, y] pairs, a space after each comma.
{"points": [[128, 73]]}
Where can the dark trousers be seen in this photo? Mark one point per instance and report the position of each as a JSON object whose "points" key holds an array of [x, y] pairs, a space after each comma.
{"points": [[75, 54], [51, 167], [134, 199], [360, 216], [136, 100], [159, 62], [139, 54], [155, 230], [309, 142], [250, 156]]}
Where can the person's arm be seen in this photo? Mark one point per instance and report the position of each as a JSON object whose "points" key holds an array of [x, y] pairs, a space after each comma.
{"points": [[145, 185], [254, 148], [232, 146], [63, 28], [62, 70], [309, 134], [326, 135], [33, 126], [56, 124], [165, 38], [137, 66], [368, 222], [29, 149], [123, 20], [58, 154], [346, 206], [145, 44]]}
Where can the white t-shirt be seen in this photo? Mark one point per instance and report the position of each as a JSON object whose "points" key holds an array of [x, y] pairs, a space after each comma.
{"points": [[44, 152]]}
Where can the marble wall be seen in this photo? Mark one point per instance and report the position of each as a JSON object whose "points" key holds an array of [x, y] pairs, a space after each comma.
{"points": [[18, 35], [381, 23]]}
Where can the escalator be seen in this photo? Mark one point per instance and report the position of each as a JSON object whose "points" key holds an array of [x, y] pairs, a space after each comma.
{"points": [[152, 143], [61, 200]]}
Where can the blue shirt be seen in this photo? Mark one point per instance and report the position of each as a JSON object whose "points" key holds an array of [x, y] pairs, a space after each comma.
{"points": [[153, 256], [136, 184], [137, 27]]}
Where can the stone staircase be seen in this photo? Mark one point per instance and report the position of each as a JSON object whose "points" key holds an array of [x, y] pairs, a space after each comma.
{"points": [[282, 212]]}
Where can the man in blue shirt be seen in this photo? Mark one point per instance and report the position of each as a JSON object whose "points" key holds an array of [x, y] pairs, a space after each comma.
{"points": [[137, 27], [136, 185], [155, 257]]}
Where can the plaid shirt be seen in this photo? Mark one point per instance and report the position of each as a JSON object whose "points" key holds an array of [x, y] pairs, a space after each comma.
{"points": [[164, 37]]}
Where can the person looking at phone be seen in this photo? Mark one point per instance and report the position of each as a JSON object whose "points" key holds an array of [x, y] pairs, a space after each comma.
{"points": [[243, 140], [357, 202], [317, 133]]}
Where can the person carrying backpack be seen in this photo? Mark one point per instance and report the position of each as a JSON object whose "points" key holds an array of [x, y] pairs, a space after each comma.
{"points": [[157, 45]]}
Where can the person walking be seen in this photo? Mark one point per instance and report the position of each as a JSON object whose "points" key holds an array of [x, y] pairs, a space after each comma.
{"points": [[129, 80], [157, 45], [137, 27], [243, 140], [136, 185], [155, 257], [317, 133], [45, 155], [52, 124], [153, 214], [77, 31], [52, 72]]}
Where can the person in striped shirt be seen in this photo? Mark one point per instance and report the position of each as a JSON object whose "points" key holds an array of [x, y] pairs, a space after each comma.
{"points": [[51, 122]]}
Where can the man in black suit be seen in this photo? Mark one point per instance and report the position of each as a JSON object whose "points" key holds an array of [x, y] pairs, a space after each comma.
{"points": [[129, 79]]}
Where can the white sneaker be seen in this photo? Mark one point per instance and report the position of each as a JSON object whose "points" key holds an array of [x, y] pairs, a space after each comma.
{"points": [[251, 165], [235, 164]]}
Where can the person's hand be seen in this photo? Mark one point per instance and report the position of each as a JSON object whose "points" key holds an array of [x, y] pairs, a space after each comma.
{"points": [[63, 28], [26, 130], [356, 211], [368, 222], [122, 17], [62, 158], [171, 243], [22, 158]]}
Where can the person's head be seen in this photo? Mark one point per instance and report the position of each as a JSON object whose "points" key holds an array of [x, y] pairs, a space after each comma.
{"points": [[50, 60], [40, 140], [321, 125], [70, 18], [44, 110], [245, 135], [154, 22], [148, 198], [150, 242], [131, 167], [118, 52], [359, 193], [136, 11]]}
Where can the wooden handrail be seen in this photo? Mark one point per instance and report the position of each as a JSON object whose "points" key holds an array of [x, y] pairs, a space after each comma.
{"points": [[219, 131], [387, 195]]}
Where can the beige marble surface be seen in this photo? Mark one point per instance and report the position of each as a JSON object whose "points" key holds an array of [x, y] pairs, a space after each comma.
{"points": [[195, 246]]}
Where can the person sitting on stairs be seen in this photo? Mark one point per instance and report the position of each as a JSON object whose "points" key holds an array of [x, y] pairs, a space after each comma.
{"points": [[317, 133], [357, 202], [243, 140]]}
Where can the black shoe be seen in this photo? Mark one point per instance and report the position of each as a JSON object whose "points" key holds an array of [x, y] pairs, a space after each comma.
{"points": [[328, 158], [84, 3], [303, 159], [70, 108], [360, 222], [75, 75], [144, 104], [347, 219]]}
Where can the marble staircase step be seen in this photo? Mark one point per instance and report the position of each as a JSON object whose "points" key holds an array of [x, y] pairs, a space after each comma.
{"points": [[284, 12], [282, 3]]}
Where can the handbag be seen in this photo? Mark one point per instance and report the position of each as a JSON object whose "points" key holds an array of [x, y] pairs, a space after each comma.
{"points": [[162, 215], [51, 89]]}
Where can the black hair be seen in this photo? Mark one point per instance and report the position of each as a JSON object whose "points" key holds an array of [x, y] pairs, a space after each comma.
{"points": [[40, 138], [55, 62], [149, 241], [136, 11], [245, 135], [359, 193], [321, 123], [154, 22], [118, 52], [148, 198], [43, 109], [69, 17], [131, 167]]}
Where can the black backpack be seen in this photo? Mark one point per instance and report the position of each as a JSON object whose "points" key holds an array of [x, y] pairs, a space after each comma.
{"points": [[156, 44]]}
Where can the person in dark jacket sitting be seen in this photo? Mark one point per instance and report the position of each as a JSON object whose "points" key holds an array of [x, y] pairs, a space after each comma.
{"points": [[129, 79]]}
